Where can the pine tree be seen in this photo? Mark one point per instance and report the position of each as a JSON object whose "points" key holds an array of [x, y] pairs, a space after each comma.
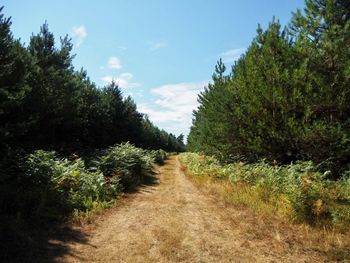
{"points": [[322, 36], [287, 97], [15, 67]]}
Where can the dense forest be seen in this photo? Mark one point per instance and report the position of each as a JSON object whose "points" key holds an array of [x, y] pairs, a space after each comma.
{"points": [[46, 103], [288, 96]]}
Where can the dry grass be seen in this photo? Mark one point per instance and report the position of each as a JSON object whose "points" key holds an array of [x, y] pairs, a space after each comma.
{"points": [[333, 243], [244, 195]]}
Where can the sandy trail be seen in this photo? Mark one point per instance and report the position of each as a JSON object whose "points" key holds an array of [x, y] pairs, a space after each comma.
{"points": [[173, 221]]}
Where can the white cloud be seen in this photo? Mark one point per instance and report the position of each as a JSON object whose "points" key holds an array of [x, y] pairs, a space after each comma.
{"points": [[159, 116], [155, 45], [124, 80], [114, 63], [127, 76], [174, 106], [232, 55], [79, 34]]}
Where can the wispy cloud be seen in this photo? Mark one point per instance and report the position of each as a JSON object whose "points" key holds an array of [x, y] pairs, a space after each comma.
{"points": [[155, 45], [124, 80], [114, 63], [231, 55], [79, 34], [173, 107]]}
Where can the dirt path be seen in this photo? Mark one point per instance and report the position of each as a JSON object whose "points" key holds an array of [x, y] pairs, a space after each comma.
{"points": [[173, 221]]}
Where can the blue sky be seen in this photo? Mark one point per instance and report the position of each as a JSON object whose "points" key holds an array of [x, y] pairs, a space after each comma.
{"points": [[161, 52]]}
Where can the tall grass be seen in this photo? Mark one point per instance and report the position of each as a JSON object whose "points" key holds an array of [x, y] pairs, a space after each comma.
{"points": [[296, 191]]}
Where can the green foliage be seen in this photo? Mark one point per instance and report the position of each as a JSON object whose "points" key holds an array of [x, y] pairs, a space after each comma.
{"points": [[46, 104], [58, 186], [127, 163], [311, 196], [43, 188], [42, 97], [15, 67], [52, 188], [159, 156], [286, 98]]}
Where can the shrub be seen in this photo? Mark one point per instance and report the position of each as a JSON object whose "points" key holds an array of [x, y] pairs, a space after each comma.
{"points": [[159, 156], [59, 186], [126, 162], [50, 188], [312, 197]]}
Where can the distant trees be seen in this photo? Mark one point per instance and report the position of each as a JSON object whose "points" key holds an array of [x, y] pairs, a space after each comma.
{"points": [[287, 98], [46, 104]]}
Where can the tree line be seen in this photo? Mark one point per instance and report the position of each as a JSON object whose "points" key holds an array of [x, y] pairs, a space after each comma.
{"points": [[46, 104], [288, 96], [56, 126]]}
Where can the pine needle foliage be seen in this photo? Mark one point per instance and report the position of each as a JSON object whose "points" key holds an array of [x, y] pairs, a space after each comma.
{"points": [[286, 98]]}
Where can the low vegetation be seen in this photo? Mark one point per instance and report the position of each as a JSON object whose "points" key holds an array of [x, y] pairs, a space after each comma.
{"points": [[128, 164], [51, 189], [296, 191], [59, 186], [54, 188]]}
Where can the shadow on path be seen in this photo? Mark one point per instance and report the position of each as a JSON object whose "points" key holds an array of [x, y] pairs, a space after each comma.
{"points": [[151, 179], [36, 243]]}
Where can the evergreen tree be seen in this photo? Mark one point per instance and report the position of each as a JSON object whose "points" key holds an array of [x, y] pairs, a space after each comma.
{"points": [[322, 37], [45, 103], [15, 68], [287, 97]]}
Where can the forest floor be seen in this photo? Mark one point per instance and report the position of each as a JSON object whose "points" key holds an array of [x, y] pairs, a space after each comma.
{"points": [[172, 220]]}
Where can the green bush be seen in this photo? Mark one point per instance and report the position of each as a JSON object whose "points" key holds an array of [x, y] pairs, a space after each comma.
{"points": [[50, 188], [126, 162], [58, 186], [159, 156]]}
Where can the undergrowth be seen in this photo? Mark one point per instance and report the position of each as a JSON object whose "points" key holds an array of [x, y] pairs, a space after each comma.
{"points": [[60, 187], [47, 189], [296, 191]]}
